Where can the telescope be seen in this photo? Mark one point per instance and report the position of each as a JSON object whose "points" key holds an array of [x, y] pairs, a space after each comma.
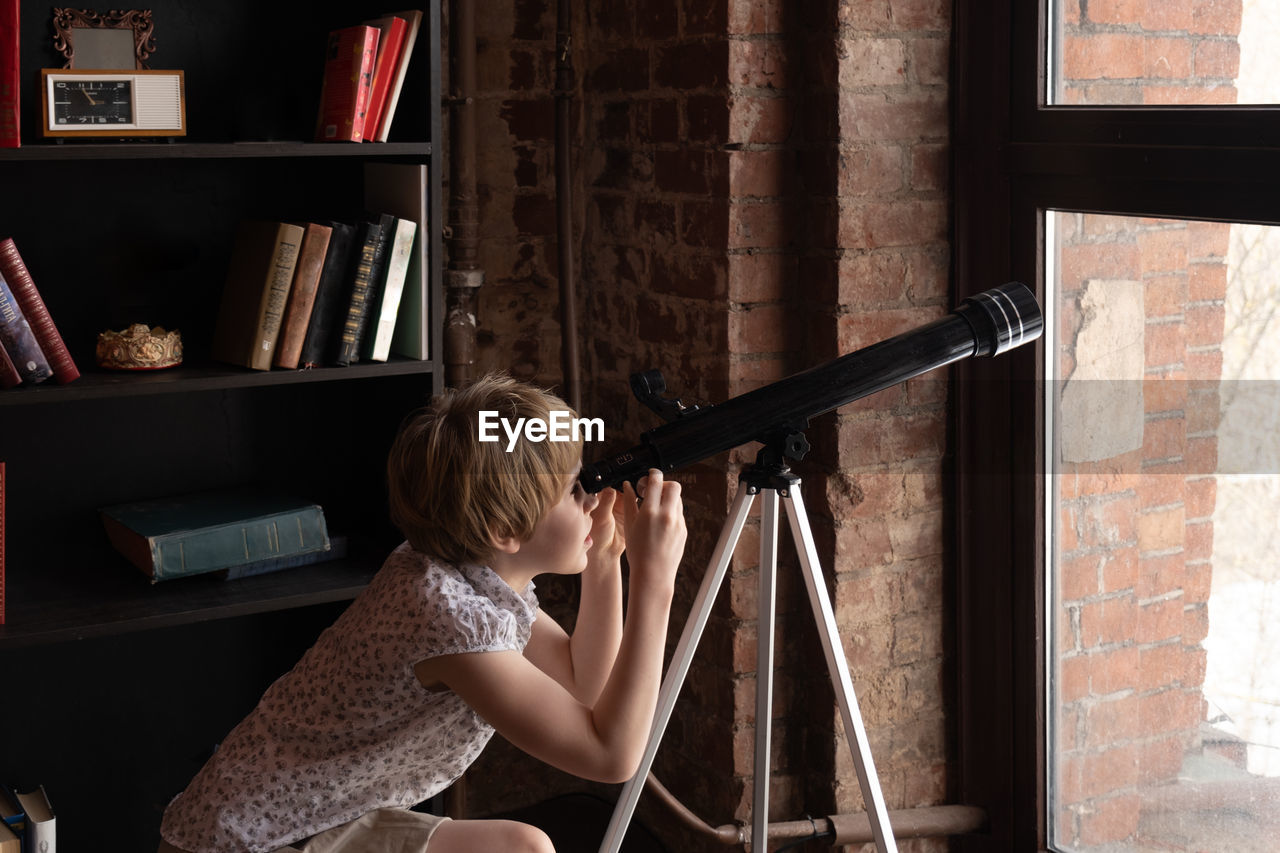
{"points": [[986, 324]]}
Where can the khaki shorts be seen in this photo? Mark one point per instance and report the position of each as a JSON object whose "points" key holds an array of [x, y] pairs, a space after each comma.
{"points": [[380, 831]]}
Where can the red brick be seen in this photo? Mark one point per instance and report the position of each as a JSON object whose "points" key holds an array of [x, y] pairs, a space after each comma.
{"points": [[921, 14], [761, 276], [707, 118], [1219, 17], [930, 167], [1162, 529], [1207, 280], [1116, 11], [758, 63], [1186, 95], [911, 117], [755, 17], [1163, 250], [1111, 721], [760, 172], [1112, 770], [930, 60], [1217, 58], [1166, 57], [1165, 344], [1107, 622], [883, 224], [870, 170], [1110, 821], [1102, 55], [765, 224], [1208, 241], [872, 62], [1159, 620], [1158, 575], [760, 119], [1204, 324]]}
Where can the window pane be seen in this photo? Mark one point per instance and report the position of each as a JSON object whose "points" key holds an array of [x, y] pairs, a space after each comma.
{"points": [[1132, 52], [1164, 542]]}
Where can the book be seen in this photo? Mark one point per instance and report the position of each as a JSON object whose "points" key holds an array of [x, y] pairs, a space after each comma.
{"points": [[41, 834], [209, 531], [413, 18], [383, 325], [9, 843], [10, 76], [9, 376], [386, 67], [330, 295], [302, 294], [348, 76], [19, 341], [372, 248], [259, 276], [337, 550], [11, 813], [402, 189], [24, 289]]}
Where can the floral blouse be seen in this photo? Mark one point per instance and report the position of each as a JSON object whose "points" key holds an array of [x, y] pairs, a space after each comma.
{"points": [[350, 729]]}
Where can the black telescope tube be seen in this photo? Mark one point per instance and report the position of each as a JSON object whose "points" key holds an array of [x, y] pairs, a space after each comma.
{"points": [[988, 324]]}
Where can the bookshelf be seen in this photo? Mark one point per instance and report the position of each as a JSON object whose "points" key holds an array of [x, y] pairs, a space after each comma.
{"points": [[122, 232]]}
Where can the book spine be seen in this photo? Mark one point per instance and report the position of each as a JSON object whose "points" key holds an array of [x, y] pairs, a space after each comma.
{"points": [[398, 258], [333, 278], [198, 551], [348, 350], [302, 295], [414, 20], [283, 264], [19, 341], [33, 308], [348, 76], [390, 43], [10, 75]]}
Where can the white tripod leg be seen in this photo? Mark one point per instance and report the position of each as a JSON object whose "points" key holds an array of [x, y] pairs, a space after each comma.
{"points": [[833, 649], [764, 669], [679, 667]]}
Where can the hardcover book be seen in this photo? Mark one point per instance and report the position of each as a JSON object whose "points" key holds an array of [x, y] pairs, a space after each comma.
{"points": [[257, 290], [364, 281], [391, 33], [401, 189], [9, 843], [330, 295], [302, 294], [348, 77], [413, 17], [33, 308], [10, 75], [210, 531], [18, 341], [9, 376], [383, 325], [40, 835]]}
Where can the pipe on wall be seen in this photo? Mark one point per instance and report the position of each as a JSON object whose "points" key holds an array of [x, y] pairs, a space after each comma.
{"points": [[463, 277], [564, 209]]}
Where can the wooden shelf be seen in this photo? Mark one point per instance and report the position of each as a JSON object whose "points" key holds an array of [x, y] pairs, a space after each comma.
{"points": [[185, 379], [76, 150], [115, 598]]}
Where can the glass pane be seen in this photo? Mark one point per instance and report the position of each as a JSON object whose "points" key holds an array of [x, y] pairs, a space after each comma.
{"points": [[1130, 52], [1164, 545]]}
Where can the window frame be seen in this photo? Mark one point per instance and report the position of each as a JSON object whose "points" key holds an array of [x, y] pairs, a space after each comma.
{"points": [[1014, 159]]}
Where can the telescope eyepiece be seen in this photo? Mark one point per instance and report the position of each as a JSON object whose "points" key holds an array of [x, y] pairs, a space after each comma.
{"points": [[1002, 318]]}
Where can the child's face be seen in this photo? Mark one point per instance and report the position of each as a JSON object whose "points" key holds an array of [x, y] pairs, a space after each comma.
{"points": [[561, 538]]}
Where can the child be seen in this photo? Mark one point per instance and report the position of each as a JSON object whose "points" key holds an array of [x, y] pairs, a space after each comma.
{"points": [[447, 644]]}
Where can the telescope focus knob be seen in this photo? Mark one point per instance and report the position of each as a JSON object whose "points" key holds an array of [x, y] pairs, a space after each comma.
{"points": [[1002, 318]]}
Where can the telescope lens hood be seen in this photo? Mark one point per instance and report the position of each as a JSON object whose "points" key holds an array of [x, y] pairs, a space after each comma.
{"points": [[1002, 318]]}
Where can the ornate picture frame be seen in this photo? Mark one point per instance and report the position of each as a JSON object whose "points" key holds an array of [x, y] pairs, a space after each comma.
{"points": [[114, 40]]}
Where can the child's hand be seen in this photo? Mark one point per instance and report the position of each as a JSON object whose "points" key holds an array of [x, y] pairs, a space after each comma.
{"points": [[608, 538], [655, 531]]}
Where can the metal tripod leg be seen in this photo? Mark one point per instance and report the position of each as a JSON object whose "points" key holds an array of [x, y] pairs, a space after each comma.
{"points": [[679, 666], [833, 650]]}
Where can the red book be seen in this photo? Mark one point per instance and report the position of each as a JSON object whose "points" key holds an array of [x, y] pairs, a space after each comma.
{"points": [[390, 42], [10, 75], [28, 298], [348, 76]]}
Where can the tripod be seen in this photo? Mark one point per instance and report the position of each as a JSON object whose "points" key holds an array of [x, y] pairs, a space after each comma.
{"points": [[775, 482]]}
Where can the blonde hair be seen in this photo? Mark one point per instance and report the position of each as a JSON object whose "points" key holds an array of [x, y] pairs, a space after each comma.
{"points": [[451, 494]]}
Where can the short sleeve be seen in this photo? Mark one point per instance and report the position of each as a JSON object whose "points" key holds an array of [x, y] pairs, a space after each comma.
{"points": [[461, 621]]}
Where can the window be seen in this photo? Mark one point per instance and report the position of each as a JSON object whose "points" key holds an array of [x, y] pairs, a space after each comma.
{"points": [[1116, 490]]}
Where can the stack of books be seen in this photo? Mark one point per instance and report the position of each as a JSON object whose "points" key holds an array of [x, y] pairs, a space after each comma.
{"points": [[27, 822], [31, 349], [364, 71]]}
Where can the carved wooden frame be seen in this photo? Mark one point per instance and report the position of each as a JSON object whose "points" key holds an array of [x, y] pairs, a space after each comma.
{"points": [[67, 21]]}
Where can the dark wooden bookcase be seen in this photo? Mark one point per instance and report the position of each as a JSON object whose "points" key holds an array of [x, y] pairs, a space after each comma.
{"points": [[114, 689]]}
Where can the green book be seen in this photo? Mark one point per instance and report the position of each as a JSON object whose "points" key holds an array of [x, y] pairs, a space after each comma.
{"points": [[211, 531]]}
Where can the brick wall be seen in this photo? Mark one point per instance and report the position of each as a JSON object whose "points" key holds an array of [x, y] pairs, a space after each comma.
{"points": [[759, 187]]}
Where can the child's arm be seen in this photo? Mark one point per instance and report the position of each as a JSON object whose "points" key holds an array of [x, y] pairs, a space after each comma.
{"points": [[603, 741], [582, 663]]}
